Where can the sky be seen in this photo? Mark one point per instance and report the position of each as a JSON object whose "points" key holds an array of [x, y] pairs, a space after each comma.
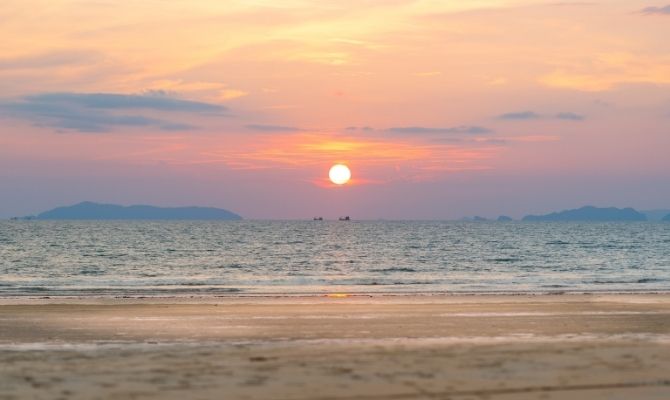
{"points": [[441, 109]]}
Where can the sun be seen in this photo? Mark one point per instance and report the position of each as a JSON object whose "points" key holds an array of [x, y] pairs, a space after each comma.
{"points": [[339, 174]]}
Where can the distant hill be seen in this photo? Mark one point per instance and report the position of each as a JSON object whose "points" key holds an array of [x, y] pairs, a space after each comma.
{"points": [[96, 211], [655, 215], [590, 213]]}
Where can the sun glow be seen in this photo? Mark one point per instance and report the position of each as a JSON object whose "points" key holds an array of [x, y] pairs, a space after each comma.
{"points": [[339, 174]]}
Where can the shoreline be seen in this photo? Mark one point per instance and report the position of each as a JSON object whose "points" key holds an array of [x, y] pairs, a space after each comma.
{"points": [[348, 298], [500, 347], [334, 294]]}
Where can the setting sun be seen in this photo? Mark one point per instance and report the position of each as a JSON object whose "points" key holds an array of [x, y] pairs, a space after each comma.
{"points": [[339, 174]]}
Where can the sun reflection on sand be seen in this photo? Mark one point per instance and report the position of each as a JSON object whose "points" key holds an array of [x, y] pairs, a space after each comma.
{"points": [[337, 295]]}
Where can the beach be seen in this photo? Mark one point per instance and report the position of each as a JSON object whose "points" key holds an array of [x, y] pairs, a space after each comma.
{"points": [[578, 346]]}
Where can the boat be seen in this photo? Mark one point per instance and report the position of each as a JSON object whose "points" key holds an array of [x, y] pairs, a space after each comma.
{"points": [[345, 218]]}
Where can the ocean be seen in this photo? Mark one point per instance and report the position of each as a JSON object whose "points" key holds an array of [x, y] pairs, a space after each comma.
{"points": [[193, 258]]}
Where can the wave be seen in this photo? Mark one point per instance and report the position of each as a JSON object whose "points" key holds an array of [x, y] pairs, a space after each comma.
{"points": [[558, 242], [641, 280], [394, 269]]}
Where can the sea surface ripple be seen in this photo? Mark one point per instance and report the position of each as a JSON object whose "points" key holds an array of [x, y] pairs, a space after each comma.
{"points": [[142, 258]]}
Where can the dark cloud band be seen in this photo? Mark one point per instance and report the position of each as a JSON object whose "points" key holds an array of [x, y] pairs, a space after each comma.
{"points": [[272, 128], [522, 115], [103, 112], [532, 115], [473, 130], [657, 10]]}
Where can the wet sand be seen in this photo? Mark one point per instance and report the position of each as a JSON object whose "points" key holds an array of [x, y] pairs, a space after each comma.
{"points": [[359, 347]]}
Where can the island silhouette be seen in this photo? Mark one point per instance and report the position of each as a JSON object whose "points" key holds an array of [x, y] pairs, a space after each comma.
{"points": [[88, 210], [96, 211], [591, 213]]}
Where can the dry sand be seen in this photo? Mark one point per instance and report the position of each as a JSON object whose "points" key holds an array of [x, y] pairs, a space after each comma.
{"points": [[380, 347]]}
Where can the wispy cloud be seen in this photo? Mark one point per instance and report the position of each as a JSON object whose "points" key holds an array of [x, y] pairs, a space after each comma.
{"points": [[523, 115], [305, 151], [532, 115], [657, 10], [153, 100], [272, 128], [47, 60], [570, 116], [473, 130], [605, 71], [359, 128], [99, 112]]}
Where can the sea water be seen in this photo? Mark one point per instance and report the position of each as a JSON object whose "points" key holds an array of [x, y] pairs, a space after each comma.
{"points": [[142, 258]]}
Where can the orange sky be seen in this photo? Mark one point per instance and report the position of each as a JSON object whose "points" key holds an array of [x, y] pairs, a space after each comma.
{"points": [[441, 108]]}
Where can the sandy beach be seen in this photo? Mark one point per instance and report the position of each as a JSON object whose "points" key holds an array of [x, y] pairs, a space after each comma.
{"points": [[599, 346]]}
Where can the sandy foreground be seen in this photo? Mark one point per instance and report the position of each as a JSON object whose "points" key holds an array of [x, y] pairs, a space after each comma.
{"points": [[358, 347]]}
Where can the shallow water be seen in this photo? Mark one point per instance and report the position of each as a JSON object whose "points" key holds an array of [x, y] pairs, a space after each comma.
{"points": [[46, 258]]}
